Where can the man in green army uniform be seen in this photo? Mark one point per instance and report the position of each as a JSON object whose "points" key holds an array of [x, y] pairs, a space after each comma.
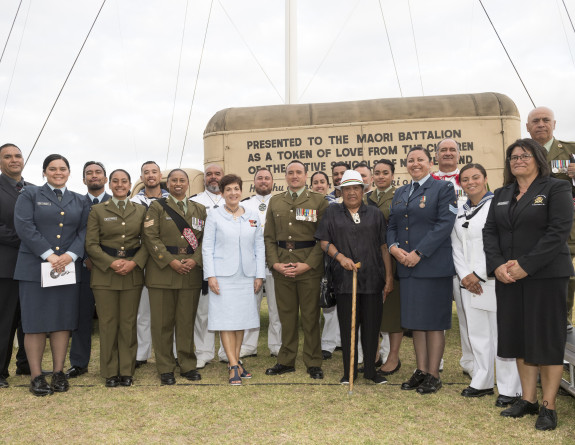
{"points": [[540, 125], [174, 276], [296, 261]]}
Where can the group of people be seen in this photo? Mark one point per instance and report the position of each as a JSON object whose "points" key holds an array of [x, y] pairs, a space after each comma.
{"points": [[175, 269]]}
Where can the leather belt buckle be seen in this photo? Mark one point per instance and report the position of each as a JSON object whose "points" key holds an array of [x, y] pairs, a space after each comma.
{"points": [[290, 244], [121, 253], [182, 250]]}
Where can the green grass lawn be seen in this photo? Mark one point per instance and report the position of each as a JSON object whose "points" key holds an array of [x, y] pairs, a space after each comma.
{"points": [[292, 408]]}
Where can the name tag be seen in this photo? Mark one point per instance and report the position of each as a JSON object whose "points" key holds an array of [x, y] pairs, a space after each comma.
{"points": [[168, 218], [111, 218], [309, 215], [44, 203], [503, 203]]}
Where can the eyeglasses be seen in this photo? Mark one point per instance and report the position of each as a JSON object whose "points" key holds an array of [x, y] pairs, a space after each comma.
{"points": [[524, 157]]}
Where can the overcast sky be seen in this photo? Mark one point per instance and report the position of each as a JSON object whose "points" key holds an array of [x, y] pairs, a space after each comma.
{"points": [[118, 104]]}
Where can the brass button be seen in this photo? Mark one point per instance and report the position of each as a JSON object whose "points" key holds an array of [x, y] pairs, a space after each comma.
{"points": [[62, 213], [123, 223], [407, 228], [289, 237], [291, 210], [61, 225], [57, 248], [58, 236], [182, 237], [122, 248], [123, 236], [290, 250], [290, 224], [407, 242], [406, 216]]}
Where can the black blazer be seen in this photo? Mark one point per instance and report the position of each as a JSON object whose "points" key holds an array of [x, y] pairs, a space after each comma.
{"points": [[9, 241], [536, 236]]}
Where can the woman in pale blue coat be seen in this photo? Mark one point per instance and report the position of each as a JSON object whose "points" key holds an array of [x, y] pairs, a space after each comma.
{"points": [[234, 265]]}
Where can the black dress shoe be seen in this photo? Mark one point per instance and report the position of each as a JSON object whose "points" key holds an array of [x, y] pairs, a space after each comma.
{"points": [[520, 408], [3, 383], [192, 375], [547, 419], [315, 372], [279, 369], [338, 348], [378, 379], [504, 401], [112, 382], [326, 355], [59, 382], [39, 386], [430, 385], [75, 371], [126, 380], [168, 378], [23, 370], [414, 381], [249, 355], [379, 362], [140, 363], [472, 392], [393, 371]]}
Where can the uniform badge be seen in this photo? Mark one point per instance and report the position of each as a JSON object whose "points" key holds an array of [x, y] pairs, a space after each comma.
{"points": [[539, 200], [253, 223], [149, 223], [262, 207]]}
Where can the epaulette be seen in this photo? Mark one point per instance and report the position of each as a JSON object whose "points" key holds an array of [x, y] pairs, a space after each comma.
{"points": [[193, 196], [249, 197]]}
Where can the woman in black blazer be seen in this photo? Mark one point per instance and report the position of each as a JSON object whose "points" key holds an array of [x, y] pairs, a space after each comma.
{"points": [[525, 242]]}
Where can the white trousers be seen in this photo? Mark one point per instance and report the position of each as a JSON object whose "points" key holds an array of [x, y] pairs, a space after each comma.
{"points": [[330, 337], [144, 327], [482, 328], [251, 336], [203, 339], [466, 360]]}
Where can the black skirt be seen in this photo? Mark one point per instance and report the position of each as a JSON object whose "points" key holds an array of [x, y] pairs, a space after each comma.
{"points": [[531, 318]]}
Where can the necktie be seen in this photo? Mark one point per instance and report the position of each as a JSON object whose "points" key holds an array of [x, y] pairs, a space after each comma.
{"points": [[19, 186], [58, 193], [294, 196], [414, 187], [121, 205], [181, 206], [95, 201]]}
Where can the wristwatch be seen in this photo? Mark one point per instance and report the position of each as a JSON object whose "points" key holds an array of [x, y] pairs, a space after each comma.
{"points": [[419, 254]]}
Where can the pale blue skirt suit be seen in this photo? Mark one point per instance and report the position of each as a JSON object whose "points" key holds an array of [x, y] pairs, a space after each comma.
{"points": [[233, 252]]}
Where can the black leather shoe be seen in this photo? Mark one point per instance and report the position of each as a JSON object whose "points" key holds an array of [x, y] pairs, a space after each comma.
{"points": [[414, 381], [3, 383], [504, 401], [393, 371], [23, 370], [430, 385], [249, 355], [140, 363], [59, 382], [315, 372], [279, 369], [168, 378], [112, 382], [520, 408], [126, 380], [75, 371], [472, 392], [39, 386], [378, 379], [547, 419], [326, 355], [192, 375]]}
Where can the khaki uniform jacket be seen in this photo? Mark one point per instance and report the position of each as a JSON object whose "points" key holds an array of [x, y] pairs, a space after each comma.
{"points": [[287, 220], [108, 227], [160, 231], [384, 203], [560, 151]]}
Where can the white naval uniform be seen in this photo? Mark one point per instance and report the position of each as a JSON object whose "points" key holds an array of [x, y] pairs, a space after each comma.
{"points": [[466, 360], [481, 310], [259, 204], [143, 321], [205, 340]]}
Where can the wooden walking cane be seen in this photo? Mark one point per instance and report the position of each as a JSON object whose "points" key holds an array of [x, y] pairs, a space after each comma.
{"points": [[352, 347]]}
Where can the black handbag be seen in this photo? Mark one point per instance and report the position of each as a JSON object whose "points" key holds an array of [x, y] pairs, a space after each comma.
{"points": [[326, 292]]}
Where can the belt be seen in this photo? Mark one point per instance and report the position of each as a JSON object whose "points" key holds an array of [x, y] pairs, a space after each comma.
{"points": [[175, 250], [296, 244], [119, 253]]}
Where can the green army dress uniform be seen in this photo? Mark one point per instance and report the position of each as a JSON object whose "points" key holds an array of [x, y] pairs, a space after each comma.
{"points": [[173, 297], [560, 151], [391, 319], [117, 296], [291, 222]]}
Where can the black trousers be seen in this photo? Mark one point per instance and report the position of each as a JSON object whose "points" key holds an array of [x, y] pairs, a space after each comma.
{"points": [[369, 308], [9, 321], [81, 347]]}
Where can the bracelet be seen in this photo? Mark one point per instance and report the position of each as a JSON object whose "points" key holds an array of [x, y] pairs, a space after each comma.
{"points": [[336, 254], [327, 246]]}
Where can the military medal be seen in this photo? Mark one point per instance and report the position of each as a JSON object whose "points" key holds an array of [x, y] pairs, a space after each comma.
{"points": [[262, 207], [422, 202]]}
